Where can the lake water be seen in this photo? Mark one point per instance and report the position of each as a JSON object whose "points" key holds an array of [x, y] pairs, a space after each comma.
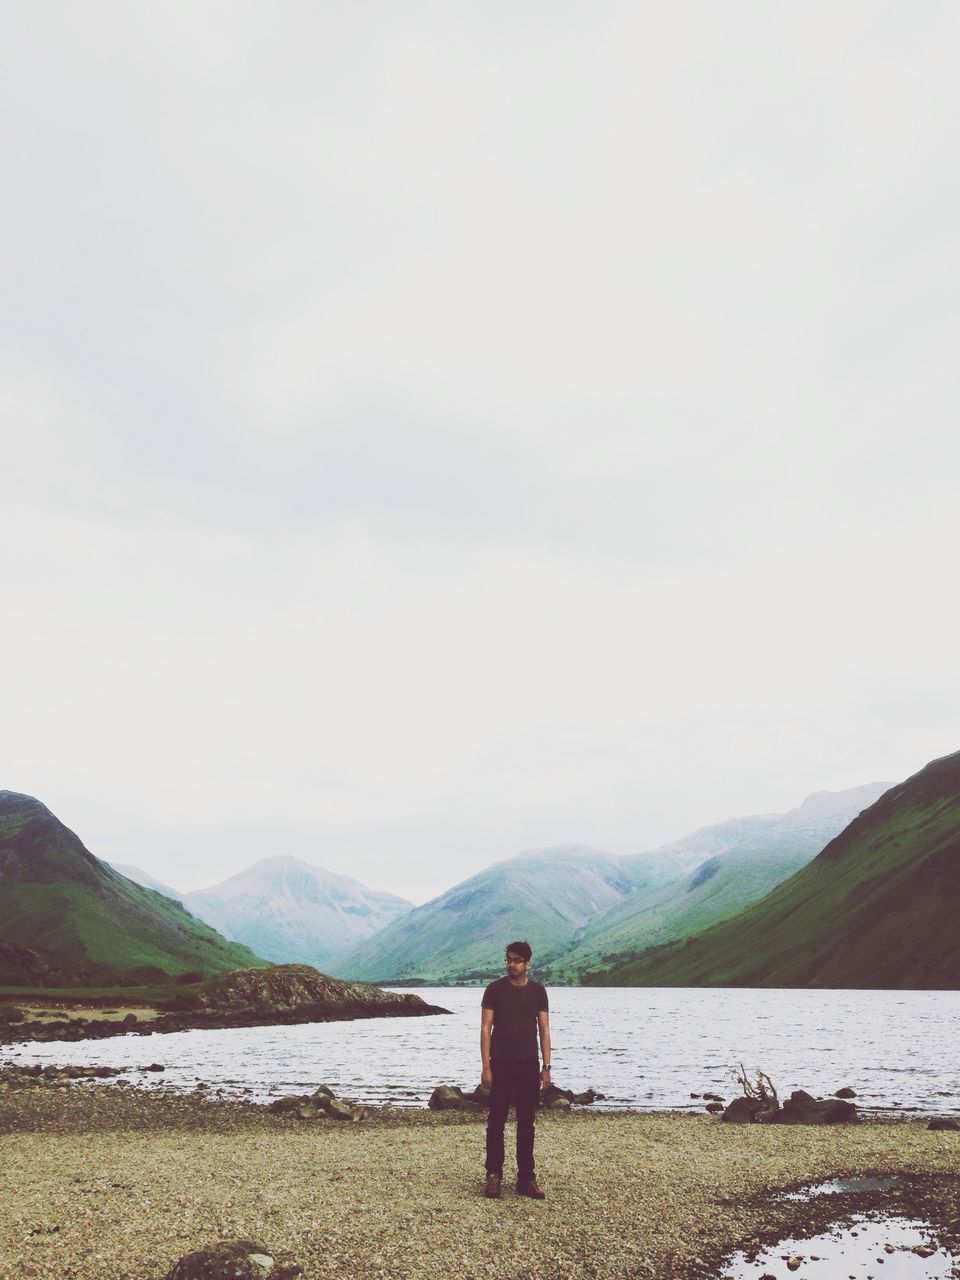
{"points": [[645, 1048]]}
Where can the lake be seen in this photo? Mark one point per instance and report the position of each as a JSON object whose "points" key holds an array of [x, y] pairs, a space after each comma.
{"points": [[644, 1048]]}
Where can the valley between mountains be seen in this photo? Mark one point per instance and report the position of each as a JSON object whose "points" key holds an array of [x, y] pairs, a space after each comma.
{"points": [[850, 888]]}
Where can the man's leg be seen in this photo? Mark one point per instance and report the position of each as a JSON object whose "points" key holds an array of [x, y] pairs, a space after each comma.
{"points": [[527, 1097], [500, 1091]]}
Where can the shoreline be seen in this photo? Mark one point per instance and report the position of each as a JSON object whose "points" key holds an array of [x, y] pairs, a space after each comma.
{"points": [[113, 1181], [14, 1059], [149, 1021]]}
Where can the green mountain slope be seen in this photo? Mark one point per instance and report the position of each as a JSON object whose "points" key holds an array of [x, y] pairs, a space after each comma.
{"points": [[876, 908], [56, 896], [770, 849], [542, 896]]}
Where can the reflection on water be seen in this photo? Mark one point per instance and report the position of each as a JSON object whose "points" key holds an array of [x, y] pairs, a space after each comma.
{"points": [[906, 1250], [848, 1186], [647, 1048]]}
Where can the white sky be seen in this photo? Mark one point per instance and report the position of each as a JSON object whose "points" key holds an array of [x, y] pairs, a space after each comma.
{"points": [[436, 429]]}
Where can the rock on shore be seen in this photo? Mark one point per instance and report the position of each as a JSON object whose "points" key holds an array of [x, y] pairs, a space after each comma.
{"points": [[233, 1260], [450, 1097], [284, 988], [799, 1108]]}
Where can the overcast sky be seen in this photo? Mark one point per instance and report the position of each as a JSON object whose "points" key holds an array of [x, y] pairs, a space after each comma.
{"points": [[432, 430]]}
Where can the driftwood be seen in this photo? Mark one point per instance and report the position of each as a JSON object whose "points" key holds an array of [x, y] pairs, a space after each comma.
{"points": [[761, 1091]]}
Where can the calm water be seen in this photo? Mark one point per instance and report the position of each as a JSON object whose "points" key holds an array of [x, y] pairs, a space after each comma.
{"points": [[644, 1048], [846, 1253]]}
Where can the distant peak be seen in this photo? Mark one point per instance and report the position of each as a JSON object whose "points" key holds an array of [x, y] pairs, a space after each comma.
{"points": [[822, 799], [562, 851], [280, 860]]}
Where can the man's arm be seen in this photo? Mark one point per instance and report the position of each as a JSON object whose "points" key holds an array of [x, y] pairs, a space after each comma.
{"points": [[486, 1027], [543, 1023]]}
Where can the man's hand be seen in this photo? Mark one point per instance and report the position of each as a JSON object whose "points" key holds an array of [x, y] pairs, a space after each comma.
{"points": [[486, 1033], [544, 1079]]}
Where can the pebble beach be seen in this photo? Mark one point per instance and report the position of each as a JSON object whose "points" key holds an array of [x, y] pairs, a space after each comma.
{"points": [[112, 1182]]}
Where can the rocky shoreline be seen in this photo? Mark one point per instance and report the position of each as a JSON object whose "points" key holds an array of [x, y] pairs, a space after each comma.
{"points": [[83, 1028], [281, 995], [105, 1180]]}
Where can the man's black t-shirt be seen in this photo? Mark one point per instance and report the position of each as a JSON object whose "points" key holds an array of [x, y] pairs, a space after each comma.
{"points": [[515, 1012]]}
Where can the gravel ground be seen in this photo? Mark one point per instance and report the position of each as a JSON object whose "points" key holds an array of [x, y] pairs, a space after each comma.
{"points": [[103, 1182]]}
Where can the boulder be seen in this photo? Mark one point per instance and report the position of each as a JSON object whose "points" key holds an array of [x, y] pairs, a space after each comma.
{"points": [[558, 1104], [279, 1105], [337, 1109], [742, 1111], [845, 1092], [323, 1091], [801, 1108], [939, 1123], [714, 1107], [450, 1097], [310, 1111], [581, 1099], [234, 1260]]}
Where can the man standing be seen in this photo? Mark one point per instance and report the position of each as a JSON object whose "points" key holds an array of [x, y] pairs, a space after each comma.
{"points": [[514, 1009]]}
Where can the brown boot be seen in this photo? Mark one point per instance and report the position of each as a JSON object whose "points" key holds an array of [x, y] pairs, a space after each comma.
{"points": [[531, 1189], [492, 1188]]}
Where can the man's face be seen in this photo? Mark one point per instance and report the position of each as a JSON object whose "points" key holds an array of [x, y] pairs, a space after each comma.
{"points": [[516, 966]]}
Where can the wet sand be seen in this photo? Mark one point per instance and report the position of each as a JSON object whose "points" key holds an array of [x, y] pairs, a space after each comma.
{"points": [[104, 1181]]}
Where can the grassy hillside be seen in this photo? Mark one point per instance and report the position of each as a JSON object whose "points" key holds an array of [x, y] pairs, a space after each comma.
{"points": [[543, 896], [58, 897], [876, 908], [766, 853]]}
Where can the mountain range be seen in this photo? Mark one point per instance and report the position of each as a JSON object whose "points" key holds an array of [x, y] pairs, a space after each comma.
{"points": [[79, 913], [877, 907], [287, 910], [750, 856], [853, 888], [543, 894], [581, 908]]}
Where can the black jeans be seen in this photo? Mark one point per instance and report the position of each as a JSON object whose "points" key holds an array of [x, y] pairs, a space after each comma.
{"points": [[519, 1083]]}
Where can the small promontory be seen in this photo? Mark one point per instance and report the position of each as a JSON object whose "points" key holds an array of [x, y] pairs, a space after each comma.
{"points": [[279, 995], [292, 988]]}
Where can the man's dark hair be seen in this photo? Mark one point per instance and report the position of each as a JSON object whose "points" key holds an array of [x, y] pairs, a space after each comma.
{"points": [[521, 949]]}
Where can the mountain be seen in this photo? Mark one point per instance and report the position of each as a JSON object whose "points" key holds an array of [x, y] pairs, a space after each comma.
{"points": [[144, 878], [543, 895], [22, 966], [55, 896], [876, 908], [581, 909], [672, 860], [288, 910], [748, 858]]}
